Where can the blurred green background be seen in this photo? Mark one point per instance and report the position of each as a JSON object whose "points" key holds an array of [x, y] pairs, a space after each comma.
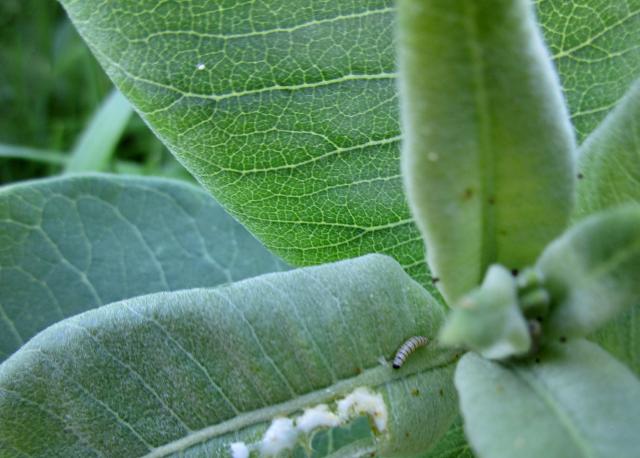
{"points": [[51, 94]]}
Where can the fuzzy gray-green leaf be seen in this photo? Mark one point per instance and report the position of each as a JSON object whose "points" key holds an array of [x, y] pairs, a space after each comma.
{"points": [[575, 401], [609, 171], [609, 161], [478, 89], [75, 243], [591, 272], [189, 372]]}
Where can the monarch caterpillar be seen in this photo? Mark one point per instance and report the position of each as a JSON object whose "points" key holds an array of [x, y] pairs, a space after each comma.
{"points": [[407, 348]]}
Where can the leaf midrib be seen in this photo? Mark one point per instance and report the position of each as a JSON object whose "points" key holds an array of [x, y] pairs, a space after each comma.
{"points": [[372, 377], [486, 160], [538, 387]]}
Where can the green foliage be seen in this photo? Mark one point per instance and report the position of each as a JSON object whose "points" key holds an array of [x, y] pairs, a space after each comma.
{"points": [[591, 272], [292, 124], [97, 143], [593, 44], [574, 400], [191, 371], [488, 320], [72, 244], [608, 163], [610, 173], [288, 113], [484, 185]]}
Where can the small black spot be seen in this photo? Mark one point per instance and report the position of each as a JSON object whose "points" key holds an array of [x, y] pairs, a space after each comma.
{"points": [[441, 392], [515, 272], [537, 360], [580, 176], [492, 200], [468, 194], [415, 392], [540, 319], [434, 280], [407, 434], [563, 339]]}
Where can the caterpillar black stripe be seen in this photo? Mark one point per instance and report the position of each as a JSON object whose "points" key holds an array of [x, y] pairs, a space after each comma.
{"points": [[407, 348]]}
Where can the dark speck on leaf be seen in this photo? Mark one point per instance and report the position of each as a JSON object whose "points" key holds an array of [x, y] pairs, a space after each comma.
{"points": [[492, 200], [441, 392], [415, 392], [468, 194], [434, 280], [563, 339], [580, 176], [515, 272], [537, 360]]}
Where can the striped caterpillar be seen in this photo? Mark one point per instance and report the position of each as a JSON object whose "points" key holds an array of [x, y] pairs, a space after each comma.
{"points": [[407, 348]]}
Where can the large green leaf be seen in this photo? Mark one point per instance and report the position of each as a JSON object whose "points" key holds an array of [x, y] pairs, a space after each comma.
{"points": [[71, 244], [477, 89], [591, 272], [286, 110], [609, 165], [596, 48], [575, 401], [189, 372]]}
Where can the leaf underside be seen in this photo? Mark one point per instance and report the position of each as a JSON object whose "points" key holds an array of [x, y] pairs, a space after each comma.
{"points": [[188, 372], [72, 244], [575, 400], [287, 111]]}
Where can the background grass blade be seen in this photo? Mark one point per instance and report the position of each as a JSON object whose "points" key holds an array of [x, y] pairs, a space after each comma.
{"points": [[96, 145]]}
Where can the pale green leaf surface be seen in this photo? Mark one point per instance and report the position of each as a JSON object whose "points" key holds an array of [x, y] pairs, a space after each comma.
{"points": [[188, 372], [71, 244], [477, 89], [292, 123], [609, 165], [98, 141], [577, 401], [591, 272]]}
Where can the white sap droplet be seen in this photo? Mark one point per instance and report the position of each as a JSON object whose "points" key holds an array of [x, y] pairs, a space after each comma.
{"points": [[239, 450], [201, 66], [363, 401], [432, 157], [317, 417], [280, 436]]}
